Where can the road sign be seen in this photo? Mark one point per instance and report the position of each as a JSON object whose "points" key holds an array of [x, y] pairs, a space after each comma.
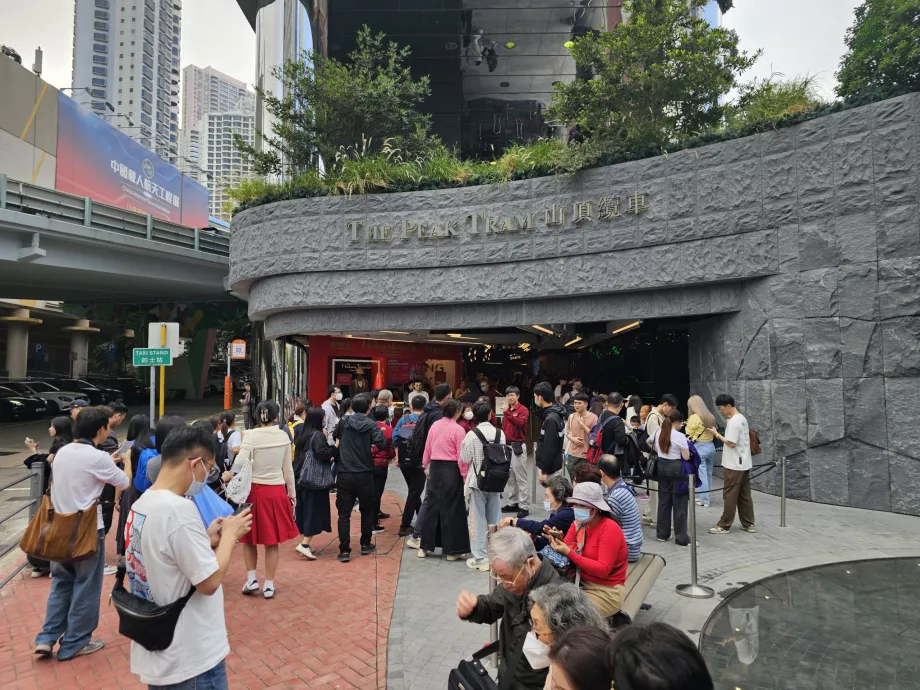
{"points": [[238, 349], [152, 357]]}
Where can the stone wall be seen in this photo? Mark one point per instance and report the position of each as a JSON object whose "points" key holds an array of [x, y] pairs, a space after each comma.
{"points": [[801, 246], [823, 357]]}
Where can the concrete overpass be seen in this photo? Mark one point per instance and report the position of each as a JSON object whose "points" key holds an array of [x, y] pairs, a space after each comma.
{"points": [[56, 246]]}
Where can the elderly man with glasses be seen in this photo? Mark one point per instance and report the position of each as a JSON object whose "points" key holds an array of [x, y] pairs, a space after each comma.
{"points": [[517, 571]]}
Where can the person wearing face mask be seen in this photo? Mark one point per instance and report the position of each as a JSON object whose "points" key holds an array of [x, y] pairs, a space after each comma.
{"points": [[332, 409], [595, 544], [518, 572], [555, 609], [169, 551], [272, 495], [556, 492], [486, 389], [466, 417]]}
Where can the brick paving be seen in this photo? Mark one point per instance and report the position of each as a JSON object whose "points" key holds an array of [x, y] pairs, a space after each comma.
{"points": [[326, 627]]}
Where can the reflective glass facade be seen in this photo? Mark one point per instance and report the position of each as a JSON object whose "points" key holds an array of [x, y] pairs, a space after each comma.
{"points": [[492, 63]]}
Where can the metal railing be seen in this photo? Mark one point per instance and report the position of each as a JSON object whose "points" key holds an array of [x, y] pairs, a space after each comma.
{"points": [[41, 201], [36, 478]]}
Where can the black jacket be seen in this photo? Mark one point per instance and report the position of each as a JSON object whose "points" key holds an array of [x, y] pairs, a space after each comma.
{"points": [[548, 453], [356, 434], [322, 451], [614, 433], [431, 413], [514, 613]]}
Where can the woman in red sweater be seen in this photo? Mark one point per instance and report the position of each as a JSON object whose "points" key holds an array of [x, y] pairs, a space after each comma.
{"points": [[596, 545]]}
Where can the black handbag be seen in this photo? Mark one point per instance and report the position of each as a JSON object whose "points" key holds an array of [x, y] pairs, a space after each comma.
{"points": [[151, 626], [472, 675]]}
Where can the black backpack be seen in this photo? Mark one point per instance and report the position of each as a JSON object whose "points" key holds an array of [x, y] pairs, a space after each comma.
{"points": [[402, 441], [416, 443], [496, 463]]}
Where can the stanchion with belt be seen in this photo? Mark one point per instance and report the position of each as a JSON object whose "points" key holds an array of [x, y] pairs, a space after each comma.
{"points": [[493, 628], [694, 590]]}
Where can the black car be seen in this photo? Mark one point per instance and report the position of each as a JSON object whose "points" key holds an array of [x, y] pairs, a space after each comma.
{"points": [[15, 406], [124, 388], [85, 388]]}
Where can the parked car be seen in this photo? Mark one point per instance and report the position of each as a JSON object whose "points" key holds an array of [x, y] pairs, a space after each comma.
{"points": [[15, 406], [127, 389], [215, 382], [84, 388], [55, 398]]}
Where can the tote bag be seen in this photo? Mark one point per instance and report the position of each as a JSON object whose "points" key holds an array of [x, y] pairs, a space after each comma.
{"points": [[315, 475]]}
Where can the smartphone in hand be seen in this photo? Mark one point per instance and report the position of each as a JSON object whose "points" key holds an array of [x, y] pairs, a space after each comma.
{"points": [[242, 507]]}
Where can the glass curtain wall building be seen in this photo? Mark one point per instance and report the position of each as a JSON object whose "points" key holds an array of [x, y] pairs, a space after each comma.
{"points": [[492, 63]]}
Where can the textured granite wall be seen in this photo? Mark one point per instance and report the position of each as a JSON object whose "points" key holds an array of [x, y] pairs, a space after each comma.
{"points": [[802, 244], [824, 357]]}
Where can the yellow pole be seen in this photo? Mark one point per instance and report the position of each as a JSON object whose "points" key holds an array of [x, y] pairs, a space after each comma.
{"points": [[162, 373]]}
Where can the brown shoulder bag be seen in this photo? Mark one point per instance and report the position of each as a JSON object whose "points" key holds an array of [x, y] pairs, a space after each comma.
{"points": [[755, 441], [61, 537]]}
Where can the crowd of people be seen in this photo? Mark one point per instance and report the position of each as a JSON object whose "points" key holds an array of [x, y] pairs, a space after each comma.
{"points": [[590, 453]]}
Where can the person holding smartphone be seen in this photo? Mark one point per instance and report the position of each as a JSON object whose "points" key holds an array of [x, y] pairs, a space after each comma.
{"points": [[169, 551]]}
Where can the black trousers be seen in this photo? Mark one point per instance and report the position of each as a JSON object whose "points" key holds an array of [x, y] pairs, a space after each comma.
{"points": [[415, 481], [352, 486], [380, 483], [670, 502]]}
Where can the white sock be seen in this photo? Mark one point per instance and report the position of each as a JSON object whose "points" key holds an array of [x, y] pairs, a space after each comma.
{"points": [[269, 584], [251, 576]]}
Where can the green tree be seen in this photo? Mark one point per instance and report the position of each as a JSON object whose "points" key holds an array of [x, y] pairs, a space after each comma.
{"points": [[330, 105], [655, 79], [883, 48], [770, 99]]}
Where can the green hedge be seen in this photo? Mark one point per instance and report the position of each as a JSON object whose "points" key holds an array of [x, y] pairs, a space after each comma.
{"points": [[605, 159]]}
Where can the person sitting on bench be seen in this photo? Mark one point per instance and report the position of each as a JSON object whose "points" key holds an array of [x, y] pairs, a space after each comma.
{"points": [[595, 544]]}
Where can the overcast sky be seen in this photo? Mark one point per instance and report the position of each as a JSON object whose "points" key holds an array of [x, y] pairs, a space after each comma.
{"points": [[798, 36]]}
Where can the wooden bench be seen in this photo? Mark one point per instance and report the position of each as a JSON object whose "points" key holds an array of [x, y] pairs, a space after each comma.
{"points": [[640, 576]]}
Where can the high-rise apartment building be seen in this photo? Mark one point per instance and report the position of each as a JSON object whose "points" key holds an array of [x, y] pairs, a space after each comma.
{"points": [[207, 91], [126, 67], [222, 165]]}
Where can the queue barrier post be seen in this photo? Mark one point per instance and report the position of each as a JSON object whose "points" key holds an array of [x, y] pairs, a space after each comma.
{"points": [[493, 628], [782, 494], [694, 590]]}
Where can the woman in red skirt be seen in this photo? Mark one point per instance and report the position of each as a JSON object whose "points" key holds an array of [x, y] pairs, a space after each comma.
{"points": [[272, 496]]}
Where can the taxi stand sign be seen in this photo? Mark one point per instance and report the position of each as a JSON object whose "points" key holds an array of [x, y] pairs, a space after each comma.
{"points": [[152, 357]]}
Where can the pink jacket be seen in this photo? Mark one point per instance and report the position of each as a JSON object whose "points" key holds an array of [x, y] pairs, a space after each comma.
{"points": [[443, 443]]}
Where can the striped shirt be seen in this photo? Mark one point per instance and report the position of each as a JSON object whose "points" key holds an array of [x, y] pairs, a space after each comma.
{"points": [[625, 510]]}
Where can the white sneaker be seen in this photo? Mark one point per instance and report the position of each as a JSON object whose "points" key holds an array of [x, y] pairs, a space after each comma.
{"points": [[455, 556], [422, 553], [478, 564], [251, 586], [305, 551], [268, 591], [109, 570], [413, 543]]}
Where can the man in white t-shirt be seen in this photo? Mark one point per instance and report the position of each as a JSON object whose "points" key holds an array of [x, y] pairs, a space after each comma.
{"points": [[79, 473], [736, 468], [168, 551]]}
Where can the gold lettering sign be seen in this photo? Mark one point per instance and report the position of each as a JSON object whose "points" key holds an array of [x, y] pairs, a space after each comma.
{"points": [[604, 208]]}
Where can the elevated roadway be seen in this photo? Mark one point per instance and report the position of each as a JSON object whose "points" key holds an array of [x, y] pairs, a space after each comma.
{"points": [[58, 246]]}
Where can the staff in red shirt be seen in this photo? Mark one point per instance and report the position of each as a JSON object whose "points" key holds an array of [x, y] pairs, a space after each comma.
{"points": [[514, 424], [595, 544]]}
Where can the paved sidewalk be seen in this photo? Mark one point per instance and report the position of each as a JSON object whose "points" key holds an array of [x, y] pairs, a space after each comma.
{"points": [[326, 627], [427, 639]]}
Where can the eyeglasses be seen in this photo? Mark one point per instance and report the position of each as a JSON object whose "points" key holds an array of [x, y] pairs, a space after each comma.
{"points": [[502, 581]]}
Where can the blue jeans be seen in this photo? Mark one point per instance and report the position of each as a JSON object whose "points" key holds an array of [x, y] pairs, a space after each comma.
{"points": [[72, 611], [707, 452], [215, 679]]}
